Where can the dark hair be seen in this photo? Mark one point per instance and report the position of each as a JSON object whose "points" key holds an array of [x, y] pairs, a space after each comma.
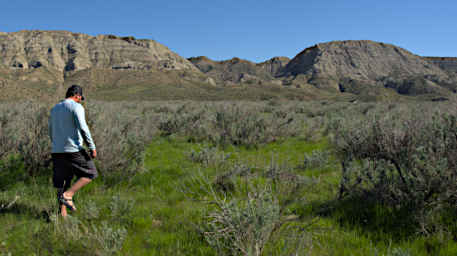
{"points": [[74, 90]]}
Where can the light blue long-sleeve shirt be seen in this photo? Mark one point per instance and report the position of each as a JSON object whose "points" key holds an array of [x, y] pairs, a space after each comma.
{"points": [[68, 129]]}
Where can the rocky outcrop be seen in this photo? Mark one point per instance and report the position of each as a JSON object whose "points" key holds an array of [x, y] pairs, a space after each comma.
{"points": [[448, 64], [362, 60], [275, 65], [65, 51], [350, 66], [39, 62], [237, 70], [225, 71], [342, 66]]}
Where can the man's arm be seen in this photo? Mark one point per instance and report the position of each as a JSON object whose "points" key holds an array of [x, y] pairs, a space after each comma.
{"points": [[83, 128], [50, 128]]}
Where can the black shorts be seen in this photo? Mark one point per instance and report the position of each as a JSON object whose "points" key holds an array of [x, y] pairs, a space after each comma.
{"points": [[68, 165]]}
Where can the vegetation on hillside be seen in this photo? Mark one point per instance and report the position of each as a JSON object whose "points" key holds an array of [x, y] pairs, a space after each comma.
{"points": [[238, 178]]}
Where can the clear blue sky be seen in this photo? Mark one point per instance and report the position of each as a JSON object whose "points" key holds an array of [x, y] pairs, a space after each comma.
{"points": [[249, 29]]}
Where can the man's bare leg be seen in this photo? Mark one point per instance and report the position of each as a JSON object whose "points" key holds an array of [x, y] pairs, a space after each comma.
{"points": [[63, 210], [81, 182]]}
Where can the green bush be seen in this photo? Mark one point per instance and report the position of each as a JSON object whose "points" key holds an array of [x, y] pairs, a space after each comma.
{"points": [[120, 131], [208, 156], [247, 206], [75, 237], [120, 136], [229, 124], [23, 133], [403, 160], [317, 159], [243, 227]]}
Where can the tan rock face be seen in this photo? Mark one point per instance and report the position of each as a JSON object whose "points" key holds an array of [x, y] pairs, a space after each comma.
{"points": [[41, 62], [446, 63], [240, 71], [210, 81], [355, 66], [363, 60], [66, 51], [274, 65]]}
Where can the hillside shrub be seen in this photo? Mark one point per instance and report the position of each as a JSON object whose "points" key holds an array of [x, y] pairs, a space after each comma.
{"points": [[120, 132], [247, 207], [182, 120], [238, 126], [402, 160], [74, 236], [229, 124], [243, 226], [208, 156], [23, 133], [316, 159], [120, 138]]}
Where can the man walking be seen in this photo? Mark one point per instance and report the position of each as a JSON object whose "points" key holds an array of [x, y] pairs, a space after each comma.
{"points": [[68, 130]]}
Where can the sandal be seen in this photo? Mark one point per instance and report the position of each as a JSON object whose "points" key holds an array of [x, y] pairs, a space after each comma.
{"points": [[68, 202]]}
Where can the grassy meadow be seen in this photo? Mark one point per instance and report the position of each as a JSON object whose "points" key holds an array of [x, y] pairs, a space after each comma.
{"points": [[238, 178]]}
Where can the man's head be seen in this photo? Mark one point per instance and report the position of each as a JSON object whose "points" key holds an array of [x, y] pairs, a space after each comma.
{"points": [[75, 92]]}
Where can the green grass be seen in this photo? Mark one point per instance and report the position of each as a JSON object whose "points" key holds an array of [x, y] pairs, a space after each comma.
{"points": [[161, 218]]}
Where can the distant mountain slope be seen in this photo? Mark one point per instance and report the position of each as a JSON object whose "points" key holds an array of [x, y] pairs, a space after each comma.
{"points": [[355, 65], [448, 64], [237, 70], [365, 60], [38, 64], [66, 51]]}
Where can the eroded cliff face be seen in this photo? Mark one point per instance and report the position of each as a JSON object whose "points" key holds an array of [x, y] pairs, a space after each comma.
{"points": [[66, 52], [36, 64], [448, 64], [237, 70], [350, 66], [39, 63], [365, 60]]}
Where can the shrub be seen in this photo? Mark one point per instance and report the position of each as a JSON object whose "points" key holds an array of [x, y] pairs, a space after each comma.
{"points": [[236, 126], [288, 186], [225, 182], [208, 156], [399, 252], [120, 209], [246, 206], [404, 160], [109, 239], [229, 124], [317, 159], [243, 227], [34, 143], [120, 138], [182, 120], [120, 131], [23, 132], [74, 236]]}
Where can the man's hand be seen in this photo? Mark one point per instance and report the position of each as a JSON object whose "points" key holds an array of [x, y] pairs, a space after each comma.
{"points": [[93, 153]]}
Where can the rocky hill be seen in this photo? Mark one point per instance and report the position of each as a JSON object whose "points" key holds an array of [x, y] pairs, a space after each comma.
{"points": [[237, 70], [355, 66], [40, 62], [65, 51], [44, 63]]}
